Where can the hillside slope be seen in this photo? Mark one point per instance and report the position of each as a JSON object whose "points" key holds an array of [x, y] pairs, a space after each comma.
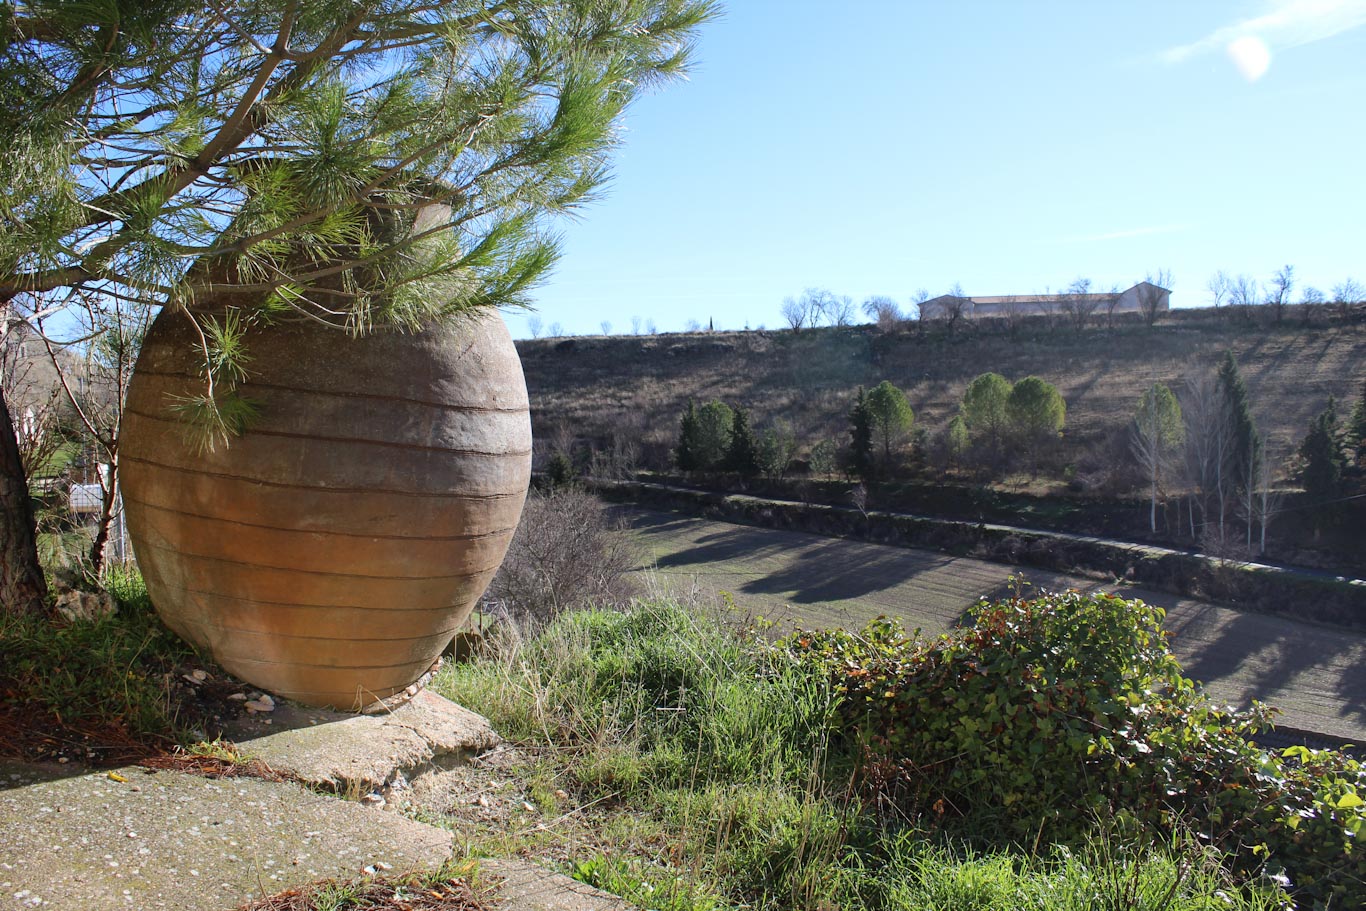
{"points": [[634, 387]]}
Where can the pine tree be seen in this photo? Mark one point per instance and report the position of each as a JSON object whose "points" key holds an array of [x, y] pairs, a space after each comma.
{"points": [[861, 436], [1323, 462], [297, 152], [742, 456], [892, 416], [685, 455], [984, 412]]}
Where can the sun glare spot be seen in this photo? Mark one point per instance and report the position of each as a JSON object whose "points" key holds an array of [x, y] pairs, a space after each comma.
{"points": [[1251, 56]]}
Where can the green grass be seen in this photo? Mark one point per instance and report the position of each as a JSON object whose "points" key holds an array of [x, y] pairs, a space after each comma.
{"points": [[707, 753], [112, 675]]}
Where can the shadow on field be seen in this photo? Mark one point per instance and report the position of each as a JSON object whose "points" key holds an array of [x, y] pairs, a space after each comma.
{"points": [[828, 572], [1262, 655]]}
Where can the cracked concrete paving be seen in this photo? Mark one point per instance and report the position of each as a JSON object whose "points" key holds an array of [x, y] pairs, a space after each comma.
{"points": [[137, 838]]}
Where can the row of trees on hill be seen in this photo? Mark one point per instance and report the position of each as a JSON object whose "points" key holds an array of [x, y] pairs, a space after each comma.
{"points": [[1000, 423], [1196, 448], [716, 437], [1078, 304], [1211, 449]]}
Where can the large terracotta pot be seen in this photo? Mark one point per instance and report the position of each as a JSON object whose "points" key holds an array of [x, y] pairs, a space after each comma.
{"points": [[329, 553]]}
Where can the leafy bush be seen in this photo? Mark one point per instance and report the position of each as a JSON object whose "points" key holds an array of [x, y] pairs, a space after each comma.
{"points": [[706, 749], [1047, 716]]}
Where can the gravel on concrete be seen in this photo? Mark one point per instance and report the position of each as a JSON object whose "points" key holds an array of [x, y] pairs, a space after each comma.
{"points": [[142, 839]]}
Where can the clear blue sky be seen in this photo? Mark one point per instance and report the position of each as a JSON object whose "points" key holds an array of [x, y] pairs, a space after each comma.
{"points": [[883, 146]]}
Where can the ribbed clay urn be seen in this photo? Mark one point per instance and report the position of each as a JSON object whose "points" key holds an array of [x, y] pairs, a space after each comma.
{"points": [[329, 552]]}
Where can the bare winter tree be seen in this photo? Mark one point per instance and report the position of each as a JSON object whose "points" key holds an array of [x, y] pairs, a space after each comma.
{"points": [[1268, 500], [883, 311], [1219, 286], [953, 307], [1150, 295], [795, 313], [1311, 295], [606, 327], [1258, 503], [635, 325], [1282, 282], [918, 300], [568, 552], [1208, 450], [651, 328], [1046, 305], [1244, 292], [556, 330], [1013, 310], [1111, 304], [1348, 293], [533, 325], [1079, 303], [839, 310], [1155, 439], [109, 331]]}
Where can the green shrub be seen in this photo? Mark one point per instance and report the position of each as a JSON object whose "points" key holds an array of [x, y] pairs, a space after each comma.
{"points": [[1046, 716]]}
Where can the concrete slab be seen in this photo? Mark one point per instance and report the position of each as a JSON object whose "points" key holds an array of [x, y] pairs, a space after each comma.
{"points": [[169, 840], [528, 887], [362, 753]]}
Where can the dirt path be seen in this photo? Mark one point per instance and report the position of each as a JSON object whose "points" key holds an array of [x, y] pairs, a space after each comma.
{"points": [[1315, 674]]}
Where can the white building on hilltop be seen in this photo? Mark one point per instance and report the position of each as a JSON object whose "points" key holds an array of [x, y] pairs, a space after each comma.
{"points": [[1140, 298]]}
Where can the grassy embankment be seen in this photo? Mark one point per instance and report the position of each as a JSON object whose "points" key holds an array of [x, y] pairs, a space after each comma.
{"points": [[704, 768]]}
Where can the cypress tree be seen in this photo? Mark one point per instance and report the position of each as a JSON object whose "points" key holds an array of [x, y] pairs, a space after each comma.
{"points": [[742, 456], [1356, 431], [1323, 464], [685, 456], [861, 436], [1246, 449]]}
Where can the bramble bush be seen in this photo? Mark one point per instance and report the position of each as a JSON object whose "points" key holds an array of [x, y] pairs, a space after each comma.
{"points": [[1049, 716]]}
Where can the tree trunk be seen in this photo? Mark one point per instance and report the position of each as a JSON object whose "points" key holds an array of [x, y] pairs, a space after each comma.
{"points": [[23, 590], [109, 490], [1152, 506]]}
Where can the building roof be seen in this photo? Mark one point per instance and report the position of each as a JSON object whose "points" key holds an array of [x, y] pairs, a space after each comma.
{"points": [[1099, 298]]}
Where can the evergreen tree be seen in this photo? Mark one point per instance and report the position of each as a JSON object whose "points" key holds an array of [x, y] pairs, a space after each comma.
{"points": [[1245, 454], [1356, 431], [957, 442], [714, 422], [685, 455], [742, 456], [861, 436], [294, 154], [777, 446], [892, 417], [984, 412], [559, 471], [1323, 462], [1036, 412]]}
